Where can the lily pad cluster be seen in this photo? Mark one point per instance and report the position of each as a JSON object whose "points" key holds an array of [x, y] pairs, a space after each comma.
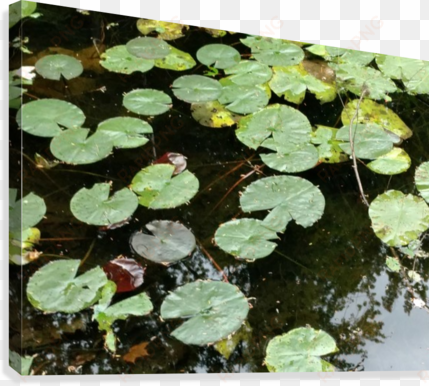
{"points": [[71, 143]]}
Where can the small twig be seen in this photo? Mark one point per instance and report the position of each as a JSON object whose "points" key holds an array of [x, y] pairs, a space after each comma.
{"points": [[352, 146], [225, 278], [88, 253]]}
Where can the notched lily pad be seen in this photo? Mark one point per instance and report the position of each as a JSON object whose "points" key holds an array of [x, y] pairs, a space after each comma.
{"points": [[249, 73], [196, 89], [218, 56], [395, 162], [55, 66], [48, 117], [126, 132], [118, 59], [328, 146], [147, 102], [176, 60], [214, 114], [148, 48], [170, 242], [158, 189], [299, 351], [75, 147], [25, 213], [243, 99], [213, 310], [398, 219], [56, 288], [165, 29], [95, 207]]}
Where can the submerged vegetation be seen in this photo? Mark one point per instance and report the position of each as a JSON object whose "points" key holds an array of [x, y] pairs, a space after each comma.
{"points": [[254, 87]]}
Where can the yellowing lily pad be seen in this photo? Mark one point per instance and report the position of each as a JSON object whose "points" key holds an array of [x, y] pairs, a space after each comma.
{"points": [[176, 60], [395, 162], [165, 29], [214, 114]]}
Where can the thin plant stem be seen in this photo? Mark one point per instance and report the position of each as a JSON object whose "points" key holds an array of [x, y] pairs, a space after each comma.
{"points": [[225, 278], [88, 253]]}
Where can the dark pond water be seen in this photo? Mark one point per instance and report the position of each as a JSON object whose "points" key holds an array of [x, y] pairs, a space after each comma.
{"points": [[331, 276]]}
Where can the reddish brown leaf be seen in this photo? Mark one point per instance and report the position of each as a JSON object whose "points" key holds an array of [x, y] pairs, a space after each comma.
{"points": [[126, 273], [176, 159], [137, 351]]}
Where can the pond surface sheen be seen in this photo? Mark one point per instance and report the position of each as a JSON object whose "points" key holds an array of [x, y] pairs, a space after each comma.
{"points": [[331, 276]]}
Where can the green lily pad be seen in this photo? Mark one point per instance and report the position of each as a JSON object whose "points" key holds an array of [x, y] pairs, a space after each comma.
{"points": [[106, 315], [395, 162], [118, 59], [196, 89], [213, 310], [126, 132], [55, 66], [318, 49], [21, 365], [370, 140], [299, 351], [398, 219], [148, 48], [328, 146], [94, 206], [48, 117], [300, 158], [243, 99], [158, 189], [422, 180], [274, 52], [19, 10], [299, 199], [393, 264], [56, 288], [170, 242], [414, 73], [335, 51], [246, 239], [213, 114], [75, 147], [166, 30], [285, 124], [21, 246], [218, 56], [355, 78], [176, 60], [373, 112], [25, 213], [343, 55], [147, 102], [249, 73], [292, 82]]}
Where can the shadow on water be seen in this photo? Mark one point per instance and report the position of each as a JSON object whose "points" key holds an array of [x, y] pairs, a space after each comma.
{"points": [[331, 276]]}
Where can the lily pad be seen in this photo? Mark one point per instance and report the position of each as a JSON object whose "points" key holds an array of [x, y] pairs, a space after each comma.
{"points": [[118, 59], [94, 206], [214, 114], [243, 99], [21, 364], [291, 160], [373, 112], [395, 162], [213, 311], [274, 52], [422, 180], [75, 147], [285, 124], [249, 73], [147, 102], [158, 189], [246, 239], [170, 242], [25, 213], [414, 73], [299, 351], [328, 149], [393, 264], [126, 132], [148, 48], [196, 89], [48, 117], [176, 60], [126, 273], [370, 140], [293, 81], [56, 288], [299, 198], [165, 29], [355, 78], [218, 56], [55, 66], [398, 219]]}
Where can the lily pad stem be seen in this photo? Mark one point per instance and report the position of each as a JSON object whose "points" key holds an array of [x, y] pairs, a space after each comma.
{"points": [[225, 278]]}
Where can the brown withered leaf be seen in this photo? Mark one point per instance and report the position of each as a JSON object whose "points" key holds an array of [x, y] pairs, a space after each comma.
{"points": [[137, 351], [320, 70]]}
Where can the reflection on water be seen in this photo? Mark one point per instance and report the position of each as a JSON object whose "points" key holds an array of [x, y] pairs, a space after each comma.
{"points": [[331, 276]]}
